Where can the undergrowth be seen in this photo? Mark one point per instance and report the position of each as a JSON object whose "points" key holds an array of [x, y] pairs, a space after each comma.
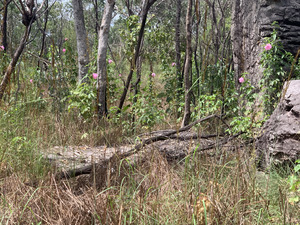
{"points": [[218, 187]]}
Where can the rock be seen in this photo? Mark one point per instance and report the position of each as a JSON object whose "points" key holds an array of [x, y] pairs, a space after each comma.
{"points": [[252, 21], [280, 137]]}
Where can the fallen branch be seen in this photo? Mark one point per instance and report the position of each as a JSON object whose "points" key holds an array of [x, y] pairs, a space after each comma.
{"points": [[165, 136], [222, 142], [170, 134]]}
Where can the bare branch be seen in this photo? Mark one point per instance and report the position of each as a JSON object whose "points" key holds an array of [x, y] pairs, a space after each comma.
{"points": [[46, 9], [22, 6], [40, 58], [41, 6], [18, 7]]}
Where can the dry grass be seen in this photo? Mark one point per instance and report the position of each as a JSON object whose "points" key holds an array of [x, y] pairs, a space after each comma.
{"points": [[223, 189], [153, 192]]}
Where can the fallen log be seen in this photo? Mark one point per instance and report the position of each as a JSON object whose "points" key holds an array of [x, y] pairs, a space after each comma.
{"points": [[170, 134]]}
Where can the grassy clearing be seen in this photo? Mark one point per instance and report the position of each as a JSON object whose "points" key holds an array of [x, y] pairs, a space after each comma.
{"points": [[201, 189]]}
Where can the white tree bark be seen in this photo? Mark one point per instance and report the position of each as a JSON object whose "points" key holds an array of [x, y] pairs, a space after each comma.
{"points": [[82, 40], [101, 57]]}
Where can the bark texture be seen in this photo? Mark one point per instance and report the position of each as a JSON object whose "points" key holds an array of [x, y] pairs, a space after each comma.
{"points": [[4, 24], [81, 38], [187, 66], [252, 22], [40, 63], [280, 138], [177, 47], [101, 57]]}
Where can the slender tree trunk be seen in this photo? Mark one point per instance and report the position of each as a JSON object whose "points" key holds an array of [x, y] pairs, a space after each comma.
{"points": [[129, 7], [146, 7], [4, 25], [28, 17], [137, 84], [14, 61], [96, 16], [187, 66], [197, 10], [44, 35], [82, 40], [177, 49], [237, 41], [138, 76], [101, 57]]}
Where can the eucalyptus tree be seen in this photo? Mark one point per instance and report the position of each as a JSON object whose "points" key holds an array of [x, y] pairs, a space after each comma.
{"points": [[177, 47], [188, 65], [101, 57], [43, 44], [82, 39]]}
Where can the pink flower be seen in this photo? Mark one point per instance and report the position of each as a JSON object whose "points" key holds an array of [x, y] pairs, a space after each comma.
{"points": [[110, 61], [64, 50], [120, 75], [95, 76], [173, 64], [66, 39], [268, 47], [153, 74], [1, 48], [241, 80], [31, 81]]}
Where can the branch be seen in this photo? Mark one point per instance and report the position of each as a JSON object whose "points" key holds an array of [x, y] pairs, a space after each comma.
{"points": [[134, 150], [41, 6], [223, 142], [19, 7], [103, 165], [40, 58]]}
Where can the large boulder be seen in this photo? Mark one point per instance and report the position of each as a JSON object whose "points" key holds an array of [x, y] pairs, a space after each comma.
{"points": [[251, 22], [280, 137]]}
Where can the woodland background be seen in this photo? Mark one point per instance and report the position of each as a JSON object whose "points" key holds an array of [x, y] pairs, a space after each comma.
{"points": [[90, 72]]}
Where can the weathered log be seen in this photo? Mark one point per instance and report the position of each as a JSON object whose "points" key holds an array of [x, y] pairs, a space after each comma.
{"points": [[104, 165], [169, 134]]}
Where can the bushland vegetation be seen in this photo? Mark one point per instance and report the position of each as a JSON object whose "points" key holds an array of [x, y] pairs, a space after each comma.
{"points": [[171, 68]]}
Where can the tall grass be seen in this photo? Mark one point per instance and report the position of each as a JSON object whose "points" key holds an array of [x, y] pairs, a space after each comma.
{"points": [[203, 188]]}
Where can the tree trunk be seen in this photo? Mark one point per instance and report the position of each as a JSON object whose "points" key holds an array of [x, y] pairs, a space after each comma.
{"points": [[28, 17], [101, 57], [4, 25], [82, 40], [177, 49], [146, 7], [251, 22], [137, 84], [13, 62], [197, 11], [237, 41], [40, 63], [187, 66], [95, 2]]}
